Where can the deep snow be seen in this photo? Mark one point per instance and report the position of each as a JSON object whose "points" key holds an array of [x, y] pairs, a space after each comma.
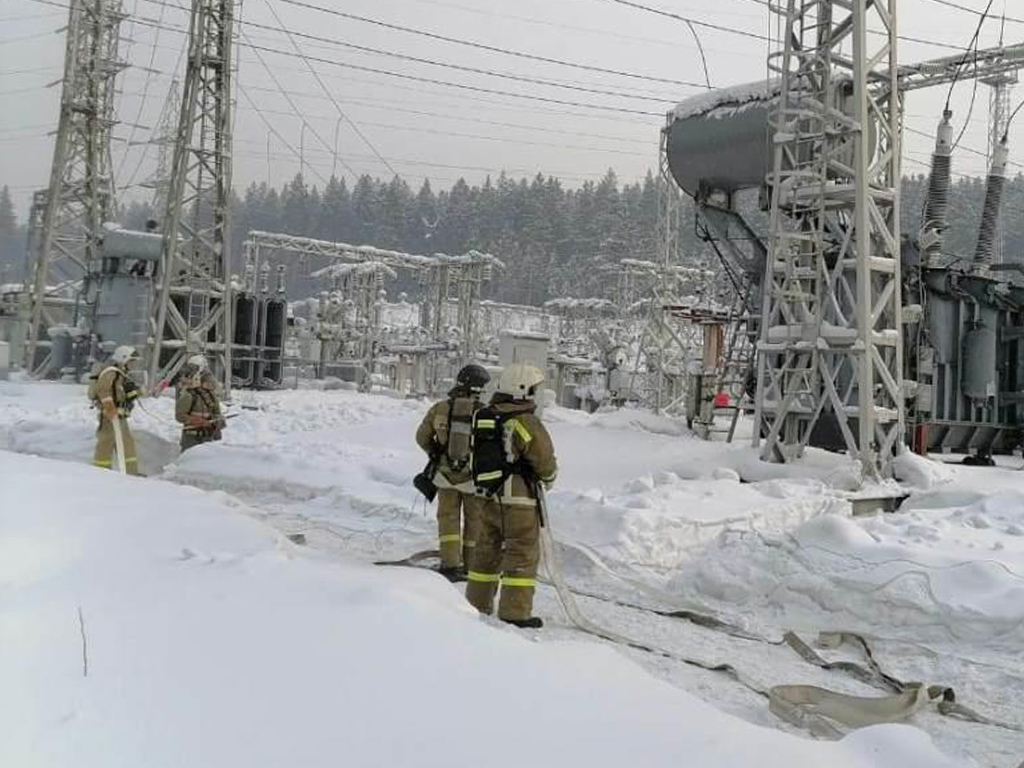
{"points": [[208, 640], [645, 513]]}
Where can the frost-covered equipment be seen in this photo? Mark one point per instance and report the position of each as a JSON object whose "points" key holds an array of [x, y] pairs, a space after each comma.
{"points": [[830, 341], [936, 205], [721, 143], [192, 309], [80, 196], [447, 334]]}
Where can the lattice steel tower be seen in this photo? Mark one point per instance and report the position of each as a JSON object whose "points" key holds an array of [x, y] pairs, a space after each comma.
{"points": [[164, 139], [80, 196], [830, 354], [192, 311]]}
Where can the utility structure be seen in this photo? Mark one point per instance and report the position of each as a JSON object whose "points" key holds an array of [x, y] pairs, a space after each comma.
{"points": [[80, 195], [165, 140], [447, 315], [192, 310], [830, 340]]}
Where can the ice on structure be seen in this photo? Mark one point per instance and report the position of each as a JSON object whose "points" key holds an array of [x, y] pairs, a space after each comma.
{"points": [[369, 252], [567, 304], [732, 97], [365, 267]]}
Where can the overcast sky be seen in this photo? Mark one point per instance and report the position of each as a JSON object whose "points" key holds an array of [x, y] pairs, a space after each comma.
{"points": [[437, 131]]}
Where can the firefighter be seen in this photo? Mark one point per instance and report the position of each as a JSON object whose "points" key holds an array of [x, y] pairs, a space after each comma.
{"points": [[114, 393], [197, 408], [508, 537], [444, 434]]}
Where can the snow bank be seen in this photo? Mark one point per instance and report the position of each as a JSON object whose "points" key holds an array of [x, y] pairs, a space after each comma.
{"points": [[941, 576], [655, 520], [211, 641], [922, 472]]}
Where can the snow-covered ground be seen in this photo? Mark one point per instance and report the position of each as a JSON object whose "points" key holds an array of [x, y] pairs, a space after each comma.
{"points": [[208, 603]]}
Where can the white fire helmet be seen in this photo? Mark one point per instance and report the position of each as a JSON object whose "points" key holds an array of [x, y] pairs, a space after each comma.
{"points": [[520, 380], [123, 355], [199, 363]]}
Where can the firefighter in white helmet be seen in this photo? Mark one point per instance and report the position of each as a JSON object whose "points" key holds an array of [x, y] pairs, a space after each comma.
{"points": [[512, 452], [114, 394], [197, 407]]}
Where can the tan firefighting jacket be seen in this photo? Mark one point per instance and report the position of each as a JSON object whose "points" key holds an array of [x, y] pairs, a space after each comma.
{"points": [[198, 400], [437, 429], [526, 439], [109, 386]]}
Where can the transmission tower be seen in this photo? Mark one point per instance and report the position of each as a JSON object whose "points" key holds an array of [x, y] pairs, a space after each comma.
{"points": [[192, 310], [80, 195], [164, 139], [830, 354], [669, 204]]}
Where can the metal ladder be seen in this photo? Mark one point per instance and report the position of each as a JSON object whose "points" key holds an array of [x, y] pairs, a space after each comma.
{"points": [[731, 375]]}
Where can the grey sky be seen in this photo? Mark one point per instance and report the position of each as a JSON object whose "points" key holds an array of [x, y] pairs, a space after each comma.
{"points": [[391, 112]]}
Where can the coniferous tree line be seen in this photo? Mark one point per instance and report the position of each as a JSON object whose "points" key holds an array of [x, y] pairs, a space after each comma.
{"points": [[554, 239]]}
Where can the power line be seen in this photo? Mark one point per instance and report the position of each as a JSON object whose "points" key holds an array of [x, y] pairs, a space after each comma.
{"points": [[433, 62], [464, 86], [695, 22], [145, 90], [23, 38], [457, 134], [29, 16], [976, 12], [145, 148], [496, 104], [289, 99], [282, 139], [474, 44], [675, 45], [327, 91], [747, 33], [486, 47], [502, 124]]}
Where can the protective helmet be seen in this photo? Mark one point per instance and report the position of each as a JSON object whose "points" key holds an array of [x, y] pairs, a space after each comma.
{"points": [[520, 380], [473, 376], [198, 362], [123, 355]]}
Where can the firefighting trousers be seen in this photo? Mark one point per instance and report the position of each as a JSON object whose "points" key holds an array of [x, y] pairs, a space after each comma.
{"points": [[192, 438], [457, 521], [506, 556], [103, 456]]}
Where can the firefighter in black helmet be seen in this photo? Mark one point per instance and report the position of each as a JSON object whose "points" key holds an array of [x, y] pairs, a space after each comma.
{"points": [[445, 436]]}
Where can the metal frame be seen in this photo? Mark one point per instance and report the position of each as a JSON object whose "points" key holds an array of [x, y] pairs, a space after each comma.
{"points": [[80, 196], [164, 139], [830, 334], [195, 258]]}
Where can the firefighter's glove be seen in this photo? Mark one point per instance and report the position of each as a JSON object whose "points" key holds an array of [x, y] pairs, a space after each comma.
{"points": [[110, 411], [198, 421]]}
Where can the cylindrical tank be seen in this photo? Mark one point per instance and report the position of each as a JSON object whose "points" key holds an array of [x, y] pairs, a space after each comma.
{"points": [[943, 326], [721, 139], [61, 346], [978, 366]]}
